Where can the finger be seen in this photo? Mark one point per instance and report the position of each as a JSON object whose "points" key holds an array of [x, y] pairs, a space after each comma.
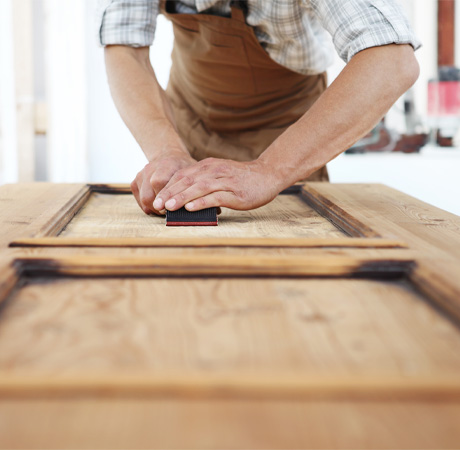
{"points": [[208, 169], [184, 191], [188, 175], [166, 179], [199, 189], [216, 199], [160, 178], [135, 191], [146, 196]]}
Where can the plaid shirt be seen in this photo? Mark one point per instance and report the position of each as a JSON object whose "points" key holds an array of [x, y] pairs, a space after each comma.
{"points": [[295, 33]]}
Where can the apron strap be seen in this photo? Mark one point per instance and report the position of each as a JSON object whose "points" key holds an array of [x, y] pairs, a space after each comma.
{"points": [[239, 9]]}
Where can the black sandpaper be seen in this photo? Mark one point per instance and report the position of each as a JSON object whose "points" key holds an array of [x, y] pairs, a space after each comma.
{"points": [[183, 218]]}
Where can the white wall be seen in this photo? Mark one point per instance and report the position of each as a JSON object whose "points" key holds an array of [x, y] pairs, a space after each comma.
{"points": [[8, 141]]}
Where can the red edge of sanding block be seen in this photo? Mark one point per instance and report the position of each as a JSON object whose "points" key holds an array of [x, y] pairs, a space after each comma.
{"points": [[183, 218]]}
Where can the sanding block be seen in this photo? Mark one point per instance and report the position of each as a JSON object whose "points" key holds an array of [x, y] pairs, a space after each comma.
{"points": [[183, 218]]}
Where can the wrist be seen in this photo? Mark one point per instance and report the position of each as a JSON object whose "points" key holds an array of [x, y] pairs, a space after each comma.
{"points": [[165, 143], [272, 174], [168, 152], [292, 164]]}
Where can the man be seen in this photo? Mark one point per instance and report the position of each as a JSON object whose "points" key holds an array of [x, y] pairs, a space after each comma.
{"points": [[247, 113]]}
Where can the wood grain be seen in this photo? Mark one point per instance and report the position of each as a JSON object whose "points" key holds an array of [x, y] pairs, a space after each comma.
{"points": [[432, 232], [254, 361], [31, 209], [9, 278], [219, 264], [210, 242], [336, 215], [437, 284], [119, 216], [140, 424], [322, 328]]}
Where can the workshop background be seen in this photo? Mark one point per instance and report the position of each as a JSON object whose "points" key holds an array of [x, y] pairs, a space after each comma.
{"points": [[58, 122]]}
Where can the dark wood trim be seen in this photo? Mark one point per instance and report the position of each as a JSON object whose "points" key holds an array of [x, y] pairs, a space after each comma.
{"points": [[446, 33], [336, 215], [111, 188], [218, 265], [440, 291], [10, 275]]}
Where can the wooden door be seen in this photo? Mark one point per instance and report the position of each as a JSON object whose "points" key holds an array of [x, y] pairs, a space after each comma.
{"points": [[326, 319]]}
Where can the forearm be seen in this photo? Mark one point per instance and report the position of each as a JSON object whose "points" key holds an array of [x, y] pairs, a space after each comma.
{"points": [[141, 101], [357, 100]]}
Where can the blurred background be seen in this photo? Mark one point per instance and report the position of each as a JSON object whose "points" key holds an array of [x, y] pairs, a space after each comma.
{"points": [[58, 122]]}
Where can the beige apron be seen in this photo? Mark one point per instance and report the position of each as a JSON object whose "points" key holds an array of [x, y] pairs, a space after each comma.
{"points": [[229, 98]]}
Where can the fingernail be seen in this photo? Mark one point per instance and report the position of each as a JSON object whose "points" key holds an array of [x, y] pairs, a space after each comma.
{"points": [[170, 203], [158, 203], [189, 206]]}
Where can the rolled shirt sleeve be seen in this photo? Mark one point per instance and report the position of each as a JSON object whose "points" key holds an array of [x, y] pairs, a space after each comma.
{"points": [[356, 25], [127, 22]]}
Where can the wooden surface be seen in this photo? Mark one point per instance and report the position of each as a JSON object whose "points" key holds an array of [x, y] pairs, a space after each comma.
{"points": [[115, 216], [63, 326], [201, 424], [269, 342], [33, 209]]}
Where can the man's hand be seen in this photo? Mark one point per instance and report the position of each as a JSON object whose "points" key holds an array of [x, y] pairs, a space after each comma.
{"points": [[220, 182], [147, 112], [155, 176]]}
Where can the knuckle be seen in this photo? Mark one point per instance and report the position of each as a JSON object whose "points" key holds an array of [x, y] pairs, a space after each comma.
{"points": [[146, 198], [187, 180], [165, 194], [202, 203], [204, 185], [241, 194], [180, 197], [158, 182], [207, 163], [221, 169], [220, 197]]}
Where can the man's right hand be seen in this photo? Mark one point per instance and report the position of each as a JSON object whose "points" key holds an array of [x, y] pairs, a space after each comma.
{"points": [[155, 176]]}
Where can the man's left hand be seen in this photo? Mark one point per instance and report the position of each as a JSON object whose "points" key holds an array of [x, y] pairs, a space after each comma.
{"points": [[220, 182]]}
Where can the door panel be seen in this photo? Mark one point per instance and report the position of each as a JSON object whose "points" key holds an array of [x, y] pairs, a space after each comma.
{"points": [[333, 308], [111, 216], [317, 327]]}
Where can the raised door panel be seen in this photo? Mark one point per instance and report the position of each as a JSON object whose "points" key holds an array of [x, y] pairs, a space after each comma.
{"points": [[118, 216], [233, 326], [98, 361], [108, 216]]}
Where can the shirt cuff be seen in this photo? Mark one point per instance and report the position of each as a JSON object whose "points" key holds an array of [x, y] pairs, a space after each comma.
{"points": [[385, 24], [127, 22]]}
